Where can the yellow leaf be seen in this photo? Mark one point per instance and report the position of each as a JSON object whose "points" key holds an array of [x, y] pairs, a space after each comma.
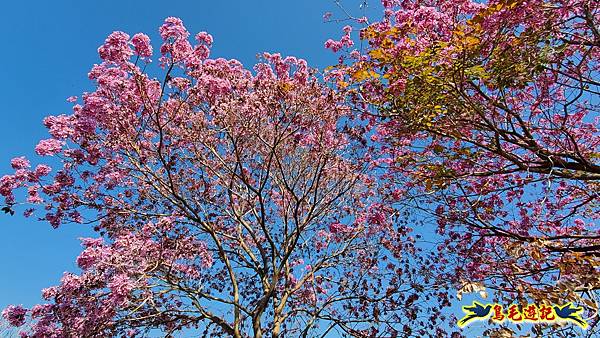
{"points": [[377, 54], [342, 84], [471, 41], [459, 33], [536, 254], [363, 74], [394, 30], [387, 43], [369, 33]]}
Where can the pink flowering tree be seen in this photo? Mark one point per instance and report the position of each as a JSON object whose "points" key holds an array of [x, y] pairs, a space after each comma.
{"points": [[227, 202], [487, 117]]}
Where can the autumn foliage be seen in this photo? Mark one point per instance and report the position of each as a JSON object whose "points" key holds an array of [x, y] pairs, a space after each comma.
{"points": [[487, 118]]}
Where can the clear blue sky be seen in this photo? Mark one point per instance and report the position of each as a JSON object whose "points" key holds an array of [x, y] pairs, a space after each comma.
{"points": [[47, 50]]}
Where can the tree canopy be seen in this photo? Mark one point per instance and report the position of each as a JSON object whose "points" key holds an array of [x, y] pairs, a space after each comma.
{"points": [[456, 151]]}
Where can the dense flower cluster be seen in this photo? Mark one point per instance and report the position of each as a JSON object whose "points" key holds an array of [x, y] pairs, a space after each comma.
{"points": [[48, 147], [141, 45], [207, 189], [489, 110], [15, 315]]}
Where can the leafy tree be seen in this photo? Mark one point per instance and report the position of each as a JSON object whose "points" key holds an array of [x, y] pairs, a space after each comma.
{"points": [[227, 202], [487, 119]]}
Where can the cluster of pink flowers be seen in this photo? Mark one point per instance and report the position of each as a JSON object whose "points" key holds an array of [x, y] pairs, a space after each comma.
{"points": [[141, 45], [116, 48], [20, 163], [48, 147], [151, 162], [173, 28], [344, 41], [15, 315], [60, 127]]}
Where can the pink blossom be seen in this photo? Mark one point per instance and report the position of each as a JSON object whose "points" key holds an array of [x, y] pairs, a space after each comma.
{"points": [[42, 170], [141, 45], [40, 310], [116, 48], [60, 127], [88, 258], [70, 282], [54, 219], [20, 163], [15, 315], [33, 195], [49, 293], [7, 184], [173, 28], [28, 212], [122, 143], [335, 46], [201, 52], [336, 228], [91, 242], [387, 3], [180, 83], [120, 287], [48, 147], [204, 37]]}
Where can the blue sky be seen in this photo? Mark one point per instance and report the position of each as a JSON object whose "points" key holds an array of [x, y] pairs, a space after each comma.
{"points": [[47, 50]]}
